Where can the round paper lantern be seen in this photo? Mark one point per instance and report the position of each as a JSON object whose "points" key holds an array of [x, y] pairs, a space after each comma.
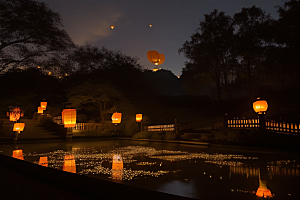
{"points": [[69, 118], [139, 117], [15, 114], [153, 57], [19, 127], [260, 106], [116, 118]]}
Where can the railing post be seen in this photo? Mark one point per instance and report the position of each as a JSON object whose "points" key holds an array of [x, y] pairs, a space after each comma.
{"points": [[225, 121]]}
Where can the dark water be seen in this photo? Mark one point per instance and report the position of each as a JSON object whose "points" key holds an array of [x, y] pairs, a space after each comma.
{"points": [[187, 170]]}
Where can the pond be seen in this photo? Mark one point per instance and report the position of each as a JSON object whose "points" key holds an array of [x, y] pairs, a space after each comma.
{"points": [[195, 171]]}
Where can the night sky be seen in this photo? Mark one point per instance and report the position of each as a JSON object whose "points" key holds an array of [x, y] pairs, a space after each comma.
{"points": [[173, 22]]}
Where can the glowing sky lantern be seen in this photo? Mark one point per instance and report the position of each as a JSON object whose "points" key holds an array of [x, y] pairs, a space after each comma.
{"points": [[138, 117], [69, 164], [116, 118], [153, 57], [18, 154], [19, 127], [150, 25], [15, 114], [260, 106], [43, 161], [44, 105], [112, 26], [69, 117]]}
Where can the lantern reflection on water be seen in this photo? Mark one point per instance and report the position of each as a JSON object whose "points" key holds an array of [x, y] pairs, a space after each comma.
{"points": [[69, 164], [117, 167], [18, 154], [43, 161]]}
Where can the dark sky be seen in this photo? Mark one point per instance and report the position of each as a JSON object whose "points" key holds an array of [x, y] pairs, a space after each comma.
{"points": [[173, 22]]}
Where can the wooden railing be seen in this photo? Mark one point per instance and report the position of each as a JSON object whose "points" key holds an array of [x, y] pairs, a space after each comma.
{"points": [[271, 125], [168, 127], [89, 126]]}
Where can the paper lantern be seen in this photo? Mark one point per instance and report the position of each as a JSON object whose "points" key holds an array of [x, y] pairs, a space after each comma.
{"points": [[40, 110], [139, 117], [262, 190], [116, 118], [112, 26], [14, 114], [153, 57], [19, 127], [69, 117], [260, 106], [44, 105], [43, 161], [18, 154], [161, 59], [69, 164], [117, 162]]}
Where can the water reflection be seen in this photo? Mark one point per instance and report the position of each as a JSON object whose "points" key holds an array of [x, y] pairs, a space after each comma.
{"points": [[185, 172]]}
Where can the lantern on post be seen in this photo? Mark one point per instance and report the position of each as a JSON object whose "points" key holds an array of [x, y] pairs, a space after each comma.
{"points": [[40, 110], [69, 118], [139, 118], [18, 127], [260, 107], [116, 118], [44, 105], [18, 154]]}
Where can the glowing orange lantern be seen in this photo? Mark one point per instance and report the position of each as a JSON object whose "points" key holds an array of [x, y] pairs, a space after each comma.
{"points": [[112, 26], [40, 110], [153, 57], [44, 105], [263, 191], [139, 117], [69, 164], [260, 106], [117, 167], [69, 117], [116, 118], [150, 25], [161, 59], [43, 161], [15, 114], [19, 127], [18, 154]]}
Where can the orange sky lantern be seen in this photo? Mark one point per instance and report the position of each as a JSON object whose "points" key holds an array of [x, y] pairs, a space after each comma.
{"points": [[44, 105], [139, 117], [112, 26], [18, 154], [260, 106], [116, 118], [69, 117], [69, 164], [43, 161], [153, 57], [19, 127]]}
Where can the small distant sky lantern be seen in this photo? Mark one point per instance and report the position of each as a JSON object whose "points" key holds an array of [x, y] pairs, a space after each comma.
{"points": [[69, 117], [139, 117], [19, 127], [40, 110], [44, 105], [43, 161], [150, 25], [116, 118], [69, 164], [153, 57], [260, 106], [112, 26], [18, 154]]}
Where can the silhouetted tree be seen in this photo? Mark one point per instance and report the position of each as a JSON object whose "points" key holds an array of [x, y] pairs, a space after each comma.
{"points": [[31, 34], [210, 49]]}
